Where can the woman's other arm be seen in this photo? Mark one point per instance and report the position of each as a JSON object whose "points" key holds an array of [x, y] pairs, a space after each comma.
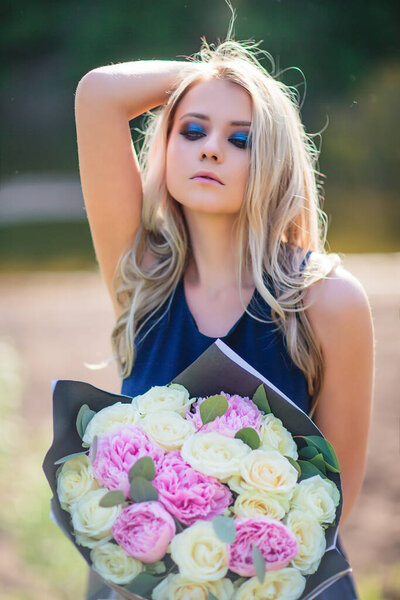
{"points": [[106, 99], [340, 316]]}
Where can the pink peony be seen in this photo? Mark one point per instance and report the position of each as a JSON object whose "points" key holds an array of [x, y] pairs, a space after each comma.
{"points": [[188, 494], [144, 530], [274, 540], [242, 412], [118, 451]]}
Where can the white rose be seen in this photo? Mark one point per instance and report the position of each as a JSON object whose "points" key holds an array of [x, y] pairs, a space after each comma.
{"points": [[274, 436], [91, 521], [199, 553], [176, 587], [268, 471], [319, 496], [113, 564], [162, 397], [284, 584], [167, 429], [310, 539], [214, 454], [74, 480], [110, 418], [255, 504]]}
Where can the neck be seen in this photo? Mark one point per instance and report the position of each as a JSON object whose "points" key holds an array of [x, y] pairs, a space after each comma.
{"points": [[212, 264]]}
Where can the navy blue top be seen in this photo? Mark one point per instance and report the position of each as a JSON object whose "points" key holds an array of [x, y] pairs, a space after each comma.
{"points": [[175, 342]]}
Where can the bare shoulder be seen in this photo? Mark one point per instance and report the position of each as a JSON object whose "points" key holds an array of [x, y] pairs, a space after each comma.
{"points": [[341, 296]]}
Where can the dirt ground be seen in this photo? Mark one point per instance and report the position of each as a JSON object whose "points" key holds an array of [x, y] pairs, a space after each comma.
{"points": [[60, 321]]}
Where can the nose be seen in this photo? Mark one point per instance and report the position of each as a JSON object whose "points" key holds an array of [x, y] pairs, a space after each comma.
{"points": [[211, 149]]}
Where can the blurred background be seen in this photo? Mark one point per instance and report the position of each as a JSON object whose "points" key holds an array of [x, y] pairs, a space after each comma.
{"points": [[55, 315]]}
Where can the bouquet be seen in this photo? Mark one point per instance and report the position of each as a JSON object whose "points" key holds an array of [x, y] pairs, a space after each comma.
{"points": [[214, 486]]}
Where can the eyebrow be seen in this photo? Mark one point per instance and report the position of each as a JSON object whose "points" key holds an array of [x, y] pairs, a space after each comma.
{"points": [[205, 118]]}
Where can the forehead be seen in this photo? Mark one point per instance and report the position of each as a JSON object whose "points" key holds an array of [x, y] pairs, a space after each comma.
{"points": [[218, 99]]}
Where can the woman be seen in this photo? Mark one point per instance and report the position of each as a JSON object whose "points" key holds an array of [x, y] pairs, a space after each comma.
{"points": [[216, 232]]}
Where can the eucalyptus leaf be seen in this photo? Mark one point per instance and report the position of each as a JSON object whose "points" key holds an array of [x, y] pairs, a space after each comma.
{"points": [[112, 499], [68, 457], [141, 490], [213, 407], [294, 463], [309, 470], [308, 452], [224, 528], [156, 568], [260, 399], [143, 584], [326, 450], [210, 596], [79, 416], [259, 563], [249, 436], [318, 461], [94, 448], [86, 418], [143, 467]]}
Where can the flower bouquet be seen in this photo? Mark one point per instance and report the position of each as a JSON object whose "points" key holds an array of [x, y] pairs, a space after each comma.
{"points": [[214, 486]]}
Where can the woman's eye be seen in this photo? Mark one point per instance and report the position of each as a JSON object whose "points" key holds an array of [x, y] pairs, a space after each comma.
{"points": [[193, 132], [241, 140]]}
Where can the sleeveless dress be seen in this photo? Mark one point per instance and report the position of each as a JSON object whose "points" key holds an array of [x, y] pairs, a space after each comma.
{"points": [[165, 350]]}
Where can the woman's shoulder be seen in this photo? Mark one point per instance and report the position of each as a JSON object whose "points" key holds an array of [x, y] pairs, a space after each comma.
{"points": [[337, 305]]}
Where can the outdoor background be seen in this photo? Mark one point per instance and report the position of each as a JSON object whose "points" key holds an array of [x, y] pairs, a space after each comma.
{"points": [[55, 314]]}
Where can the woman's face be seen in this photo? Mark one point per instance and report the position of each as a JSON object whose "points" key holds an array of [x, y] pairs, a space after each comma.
{"points": [[209, 138]]}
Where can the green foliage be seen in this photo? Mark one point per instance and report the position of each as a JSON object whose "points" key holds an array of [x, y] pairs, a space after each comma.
{"points": [[259, 563], [112, 499], [64, 459], [249, 436], [224, 528], [213, 407], [143, 467], [141, 490], [260, 399]]}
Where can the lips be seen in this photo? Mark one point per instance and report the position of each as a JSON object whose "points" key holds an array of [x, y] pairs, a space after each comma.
{"points": [[207, 175]]}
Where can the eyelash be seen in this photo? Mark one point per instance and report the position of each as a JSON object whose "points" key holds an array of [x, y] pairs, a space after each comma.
{"points": [[194, 135]]}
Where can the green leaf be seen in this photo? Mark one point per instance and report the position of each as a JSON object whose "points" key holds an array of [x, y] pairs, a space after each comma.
{"points": [[318, 461], [210, 596], [141, 490], [112, 499], [94, 448], [156, 568], [326, 450], [86, 418], [309, 470], [249, 436], [308, 452], [143, 467], [143, 584], [260, 399], [295, 464], [259, 563], [213, 407], [68, 457], [224, 528], [79, 416]]}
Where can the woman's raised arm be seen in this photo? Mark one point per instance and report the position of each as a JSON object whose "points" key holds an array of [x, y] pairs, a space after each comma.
{"points": [[106, 99]]}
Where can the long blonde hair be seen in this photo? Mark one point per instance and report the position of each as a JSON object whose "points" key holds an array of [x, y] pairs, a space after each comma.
{"points": [[279, 222]]}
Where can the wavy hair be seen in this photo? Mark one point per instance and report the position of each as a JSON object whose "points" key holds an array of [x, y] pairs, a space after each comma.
{"points": [[280, 219]]}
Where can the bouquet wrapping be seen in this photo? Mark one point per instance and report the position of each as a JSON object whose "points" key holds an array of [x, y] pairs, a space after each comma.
{"points": [[214, 486]]}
